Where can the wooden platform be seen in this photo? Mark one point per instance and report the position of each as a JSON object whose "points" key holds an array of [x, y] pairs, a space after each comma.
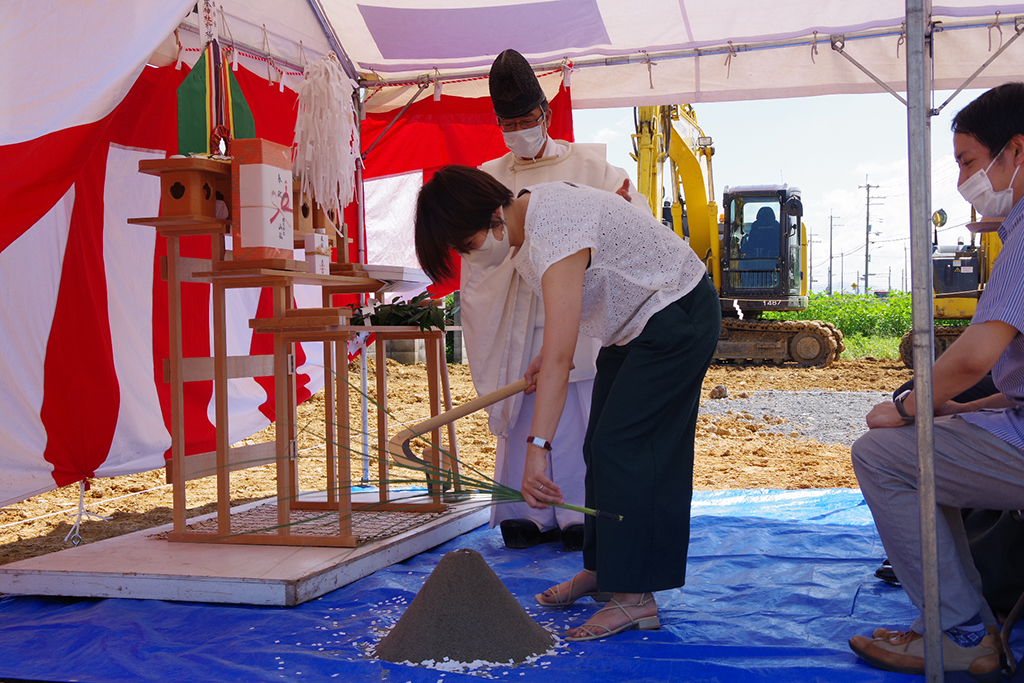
{"points": [[143, 566]]}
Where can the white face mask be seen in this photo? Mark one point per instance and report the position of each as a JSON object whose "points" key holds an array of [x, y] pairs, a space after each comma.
{"points": [[978, 190], [526, 144], [491, 253]]}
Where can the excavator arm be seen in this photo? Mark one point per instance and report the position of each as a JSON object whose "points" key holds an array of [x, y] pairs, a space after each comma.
{"points": [[658, 139]]}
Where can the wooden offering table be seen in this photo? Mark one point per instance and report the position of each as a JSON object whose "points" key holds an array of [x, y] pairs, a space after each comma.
{"points": [[193, 191]]}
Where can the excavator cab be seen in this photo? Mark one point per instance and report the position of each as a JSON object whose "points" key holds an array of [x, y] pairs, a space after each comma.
{"points": [[762, 262], [756, 255]]}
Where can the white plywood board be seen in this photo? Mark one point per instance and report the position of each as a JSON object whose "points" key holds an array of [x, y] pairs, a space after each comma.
{"points": [[142, 566]]}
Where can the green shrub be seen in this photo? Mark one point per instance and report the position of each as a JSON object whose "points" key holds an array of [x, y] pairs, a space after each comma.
{"points": [[856, 314], [858, 346]]}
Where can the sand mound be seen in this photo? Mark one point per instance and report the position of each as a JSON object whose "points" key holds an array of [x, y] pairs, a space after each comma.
{"points": [[464, 613]]}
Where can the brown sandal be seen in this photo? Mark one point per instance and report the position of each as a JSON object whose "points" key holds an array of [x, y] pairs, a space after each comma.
{"points": [[560, 601], [597, 631]]}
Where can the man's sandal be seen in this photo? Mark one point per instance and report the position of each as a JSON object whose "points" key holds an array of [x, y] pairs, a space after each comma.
{"points": [[597, 631], [552, 597]]}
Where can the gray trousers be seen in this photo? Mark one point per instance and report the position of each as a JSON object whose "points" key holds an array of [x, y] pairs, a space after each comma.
{"points": [[973, 469]]}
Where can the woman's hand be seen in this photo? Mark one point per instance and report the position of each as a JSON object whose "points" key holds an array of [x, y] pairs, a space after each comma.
{"points": [[538, 490], [531, 372]]}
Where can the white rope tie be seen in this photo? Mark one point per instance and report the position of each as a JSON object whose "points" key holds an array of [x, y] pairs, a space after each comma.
{"points": [[995, 25], [234, 48], [728, 60], [181, 51], [814, 48], [650, 72], [74, 535]]}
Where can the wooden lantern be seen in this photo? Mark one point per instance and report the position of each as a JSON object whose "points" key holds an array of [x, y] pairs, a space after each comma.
{"points": [[188, 186]]}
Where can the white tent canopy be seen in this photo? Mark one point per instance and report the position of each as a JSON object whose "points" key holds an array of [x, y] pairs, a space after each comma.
{"points": [[641, 52], [623, 54]]}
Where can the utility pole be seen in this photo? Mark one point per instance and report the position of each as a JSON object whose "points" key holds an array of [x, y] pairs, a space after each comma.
{"points": [[830, 253], [810, 262], [842, 273], [867, 232]]}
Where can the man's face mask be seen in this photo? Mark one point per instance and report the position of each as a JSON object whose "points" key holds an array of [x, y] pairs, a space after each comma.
{"points": [[527, 143], [978, 190]]}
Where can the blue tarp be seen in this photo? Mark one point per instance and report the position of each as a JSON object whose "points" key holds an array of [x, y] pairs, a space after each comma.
{"points": [[777, 582]]}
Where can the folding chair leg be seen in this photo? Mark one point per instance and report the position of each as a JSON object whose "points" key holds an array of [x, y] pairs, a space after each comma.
{"points": [[1007, 630]]}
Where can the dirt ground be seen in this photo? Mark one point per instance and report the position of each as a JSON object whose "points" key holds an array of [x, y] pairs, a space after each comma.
{"points": [[732, 453]]}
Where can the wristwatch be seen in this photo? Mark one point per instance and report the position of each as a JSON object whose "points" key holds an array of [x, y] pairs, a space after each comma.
{"points": [[898, 402], [539, 442]]}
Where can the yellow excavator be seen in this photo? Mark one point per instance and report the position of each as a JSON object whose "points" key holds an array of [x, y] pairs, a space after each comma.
{"points": [[756, 254], [959, 275]]}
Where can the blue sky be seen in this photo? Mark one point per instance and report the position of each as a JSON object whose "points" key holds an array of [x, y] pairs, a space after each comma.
{"points": [[829, 147]]}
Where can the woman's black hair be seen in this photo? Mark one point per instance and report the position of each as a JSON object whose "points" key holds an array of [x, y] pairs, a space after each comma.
{"points": [[453, 206], [994, 118]]}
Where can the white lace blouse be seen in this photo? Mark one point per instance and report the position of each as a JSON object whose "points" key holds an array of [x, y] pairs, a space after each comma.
{"points": [[637, 265]]}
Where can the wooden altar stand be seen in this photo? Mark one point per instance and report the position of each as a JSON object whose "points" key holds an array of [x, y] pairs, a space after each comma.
{"points": [[193, 213]]}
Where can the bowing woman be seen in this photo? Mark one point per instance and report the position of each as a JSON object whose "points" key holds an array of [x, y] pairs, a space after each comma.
{"points": [[609, 270]]}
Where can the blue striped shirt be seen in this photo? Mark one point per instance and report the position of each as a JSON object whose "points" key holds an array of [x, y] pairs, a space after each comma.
{"points": [[1003, 299]]}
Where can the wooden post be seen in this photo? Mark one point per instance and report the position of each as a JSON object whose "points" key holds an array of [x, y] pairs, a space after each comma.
{"points": [[433, 391], [452, 457], [220, 391], [344, 446], [282, 411], [331, 415], [382, 420], [177, 392]]}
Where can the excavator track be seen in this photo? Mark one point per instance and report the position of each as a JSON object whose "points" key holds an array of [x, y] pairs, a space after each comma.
{"points": [[808, 343], [945, 335]]}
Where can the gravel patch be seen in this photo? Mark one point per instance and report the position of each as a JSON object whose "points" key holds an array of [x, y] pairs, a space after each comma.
{"points": [[830, 417]]}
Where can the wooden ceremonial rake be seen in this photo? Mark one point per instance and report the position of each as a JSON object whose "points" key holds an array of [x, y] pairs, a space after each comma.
{"points": [[402, 455], [400, 451]]}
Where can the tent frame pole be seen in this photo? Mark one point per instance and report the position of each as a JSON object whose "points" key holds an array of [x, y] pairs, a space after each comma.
{"points": [[690, 53], [1018, 28], [919, 112], [423, 82], [332, 38], [838, 43]]}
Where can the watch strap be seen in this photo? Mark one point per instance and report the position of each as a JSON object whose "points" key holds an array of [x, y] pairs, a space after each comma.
{"points": [[537, 441], [898, 402]]}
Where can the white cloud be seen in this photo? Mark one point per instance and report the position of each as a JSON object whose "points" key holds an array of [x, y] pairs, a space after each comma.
{"points": [[607, 135]]}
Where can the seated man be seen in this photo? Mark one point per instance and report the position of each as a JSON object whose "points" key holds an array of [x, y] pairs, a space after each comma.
{"points": [[763, 239], [978, 446]]}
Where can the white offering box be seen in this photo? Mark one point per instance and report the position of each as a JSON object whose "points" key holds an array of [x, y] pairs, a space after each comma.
{"points": [[318, 253], [265, 194]]}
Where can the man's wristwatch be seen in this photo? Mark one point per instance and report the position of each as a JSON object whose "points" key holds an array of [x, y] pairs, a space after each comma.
{"points": [[898, 402]]}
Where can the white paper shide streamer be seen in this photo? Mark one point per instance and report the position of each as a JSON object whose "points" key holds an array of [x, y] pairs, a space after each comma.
{"points": [[326, 136]]}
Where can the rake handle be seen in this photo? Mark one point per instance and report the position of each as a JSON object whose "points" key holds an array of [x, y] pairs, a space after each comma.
{"points": [[398, 446]]}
